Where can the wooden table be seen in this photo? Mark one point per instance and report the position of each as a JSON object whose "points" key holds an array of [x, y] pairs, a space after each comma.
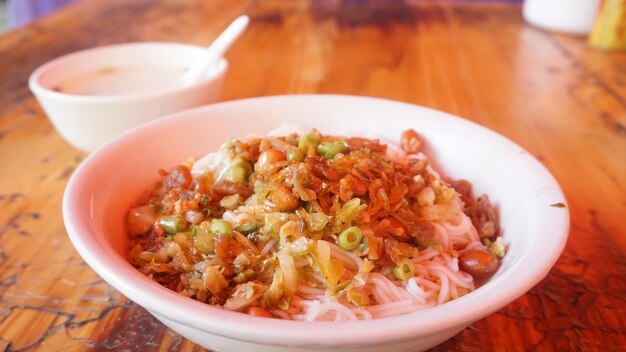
{"points": [[563, 102]]}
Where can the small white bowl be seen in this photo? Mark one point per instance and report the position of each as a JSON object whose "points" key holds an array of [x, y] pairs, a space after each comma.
{"points": [[88, 121], [519, 185]]}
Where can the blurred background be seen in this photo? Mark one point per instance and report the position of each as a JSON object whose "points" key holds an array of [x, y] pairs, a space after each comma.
{"points": [[505, 64], [17, 13], [3, 15]]}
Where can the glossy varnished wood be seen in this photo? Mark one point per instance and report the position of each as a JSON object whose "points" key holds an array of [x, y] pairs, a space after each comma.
{"points": [[560, 100]]}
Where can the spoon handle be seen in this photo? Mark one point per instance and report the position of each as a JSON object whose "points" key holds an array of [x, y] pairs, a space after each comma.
{"points": [[216, 50]]}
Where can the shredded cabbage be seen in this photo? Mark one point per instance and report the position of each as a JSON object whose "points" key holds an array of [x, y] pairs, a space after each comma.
{"points": [[348, 212]]}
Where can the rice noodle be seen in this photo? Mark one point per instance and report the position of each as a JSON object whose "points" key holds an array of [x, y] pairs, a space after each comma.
{"points": [[330, 311], [268, 246], [389, 288]]}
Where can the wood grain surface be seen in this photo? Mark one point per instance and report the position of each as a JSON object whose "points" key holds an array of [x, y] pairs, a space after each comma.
{"points": [[563, 102]]}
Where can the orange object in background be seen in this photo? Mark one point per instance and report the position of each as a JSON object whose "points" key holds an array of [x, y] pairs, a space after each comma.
{"points": [[609, 31]]}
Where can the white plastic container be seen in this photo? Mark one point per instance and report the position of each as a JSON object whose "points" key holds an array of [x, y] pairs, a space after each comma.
{"points": [[103, 109], [568, 16]]}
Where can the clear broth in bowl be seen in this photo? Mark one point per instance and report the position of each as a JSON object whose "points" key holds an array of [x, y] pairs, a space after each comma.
{"points": [[124, 80]]}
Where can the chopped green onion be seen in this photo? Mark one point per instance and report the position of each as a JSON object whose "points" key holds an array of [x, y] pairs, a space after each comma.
{"points": [[240, 162], [336, 148], [221, 227], [294, 155], [350, 238], [404, 270], [324, 147], [306, 140], [249, 228], [236, 174], [172, 224]]}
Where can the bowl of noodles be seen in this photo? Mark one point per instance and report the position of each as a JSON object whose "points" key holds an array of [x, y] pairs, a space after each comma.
{"points": [[316, 222]]}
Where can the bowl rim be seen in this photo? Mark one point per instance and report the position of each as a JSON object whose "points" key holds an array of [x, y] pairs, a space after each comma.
{"points": [[166, 303], [40, 90]]}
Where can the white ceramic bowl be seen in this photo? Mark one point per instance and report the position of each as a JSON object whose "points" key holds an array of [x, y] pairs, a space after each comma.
{"points": [[520, 186], [88, 121]]}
